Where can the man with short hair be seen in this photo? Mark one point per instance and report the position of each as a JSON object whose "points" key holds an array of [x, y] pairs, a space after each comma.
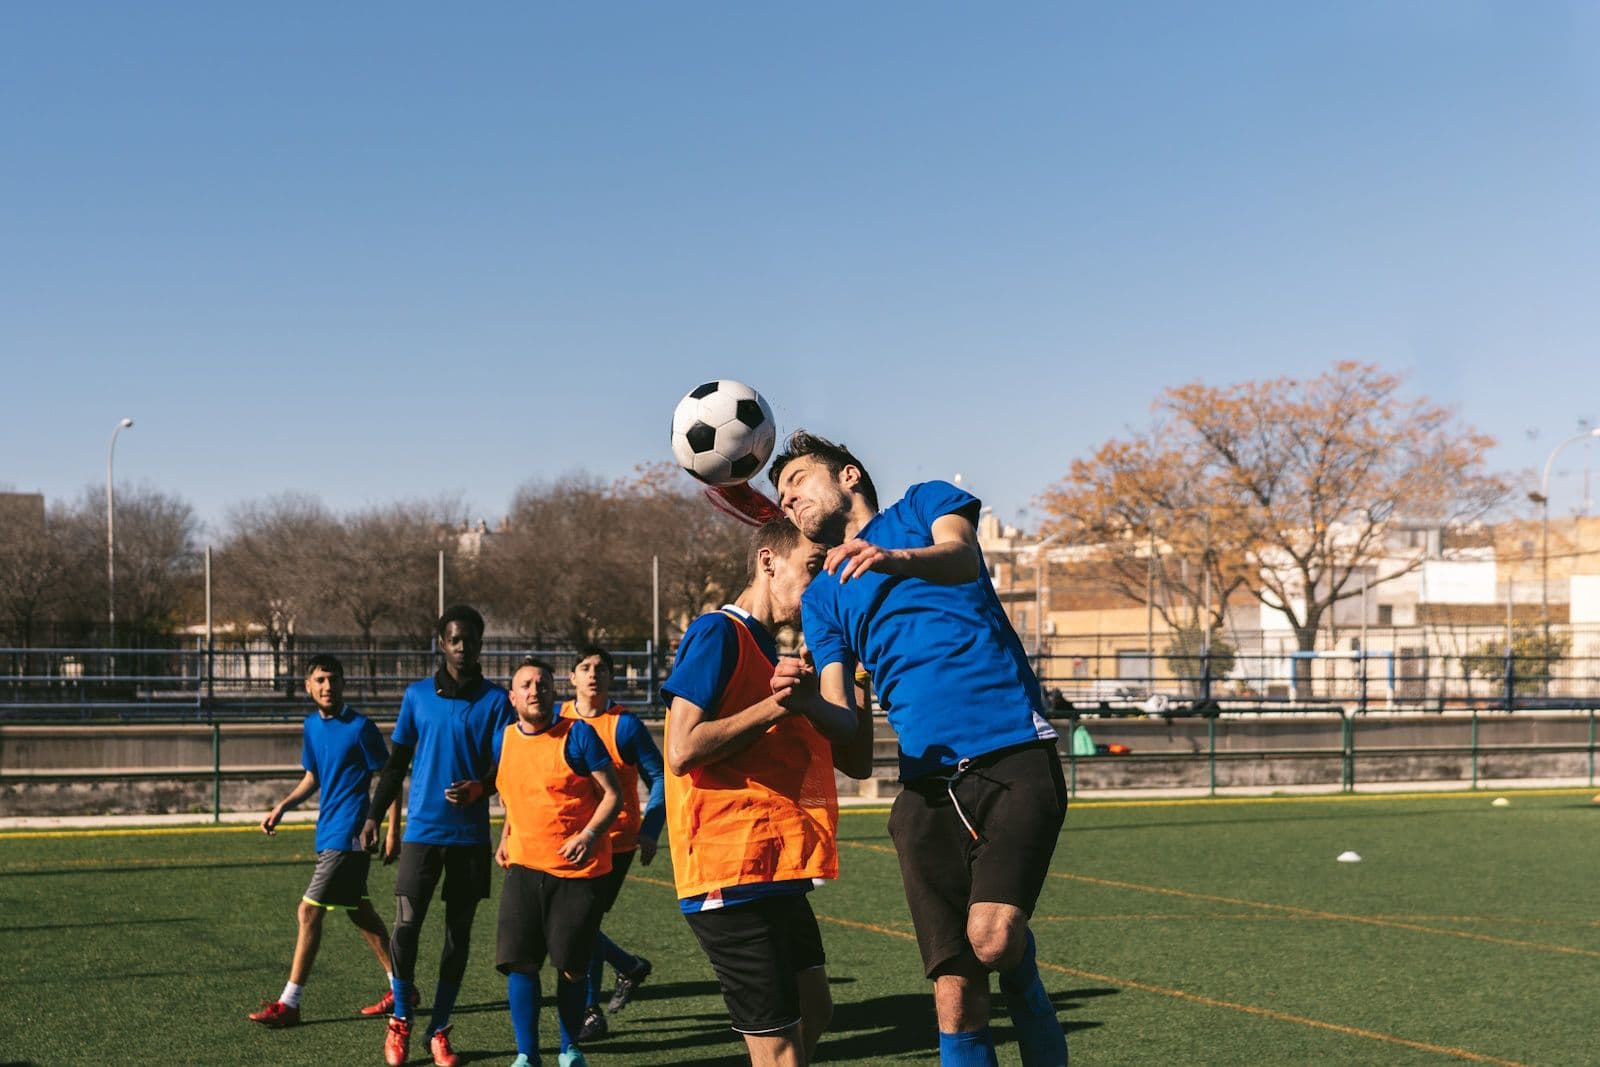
{"points": [[907, 595], [340, 749], [561, 794], [445, 736], [751, 803], [634, 755]]}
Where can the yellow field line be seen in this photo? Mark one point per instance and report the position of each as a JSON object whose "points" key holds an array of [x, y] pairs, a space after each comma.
{"points": [[1332, 916], [1179, 994]]}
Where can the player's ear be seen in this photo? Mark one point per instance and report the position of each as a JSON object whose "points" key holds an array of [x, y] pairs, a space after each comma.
{"points": [[764, 560], [849, 477]]}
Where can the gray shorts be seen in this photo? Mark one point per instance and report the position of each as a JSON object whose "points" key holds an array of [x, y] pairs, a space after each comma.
{"points": [[340, 880]]}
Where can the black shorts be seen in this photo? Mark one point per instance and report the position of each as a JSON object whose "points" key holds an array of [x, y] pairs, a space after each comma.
{"points": [[608, 885], [757, 948], [465, 869], [1016, 800], [541, 915], [339, 881]]}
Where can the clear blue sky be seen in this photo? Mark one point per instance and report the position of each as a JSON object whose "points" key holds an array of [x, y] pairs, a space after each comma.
{"points": [[384, 251]]}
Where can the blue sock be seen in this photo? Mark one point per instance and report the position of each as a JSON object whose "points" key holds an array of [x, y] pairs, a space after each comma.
{"points": [[444, 1001], [623, 962], [1040, 1038], [401, 988], [571, 999], [974, 1048], [522, 992], [597, 970]]}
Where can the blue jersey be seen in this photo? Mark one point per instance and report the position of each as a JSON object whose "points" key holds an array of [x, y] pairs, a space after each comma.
{"points": [[947, 665], [453, 732], [585, 753], [341, 752], [638, 750]]}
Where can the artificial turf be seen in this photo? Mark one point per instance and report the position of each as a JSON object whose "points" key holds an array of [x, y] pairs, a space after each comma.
{"points": [[1170, 933]]}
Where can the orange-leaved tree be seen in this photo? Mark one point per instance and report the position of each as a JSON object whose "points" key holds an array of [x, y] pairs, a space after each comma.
{"points": [[1286, 488]]}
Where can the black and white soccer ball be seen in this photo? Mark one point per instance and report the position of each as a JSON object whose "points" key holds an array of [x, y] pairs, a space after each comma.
{"points": [[723, 432]]}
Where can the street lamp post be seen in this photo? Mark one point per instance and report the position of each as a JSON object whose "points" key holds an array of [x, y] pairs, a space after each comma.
{"points": [[111, 540], [1542, 498]]}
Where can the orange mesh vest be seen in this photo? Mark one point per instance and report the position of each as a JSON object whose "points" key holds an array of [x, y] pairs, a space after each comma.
{"points": [[767, 814], [546, 803], [624, 833]]}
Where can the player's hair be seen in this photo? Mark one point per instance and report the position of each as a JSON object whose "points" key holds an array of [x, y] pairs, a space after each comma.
{"points": [[465, 614], [780, 536], [835, 457], [595, 650], [325, 661], [533, 661]]}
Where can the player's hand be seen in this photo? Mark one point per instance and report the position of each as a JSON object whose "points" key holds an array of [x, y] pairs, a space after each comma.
{"points": [[502, 855], [368, 839], [466, 791], [856, 557], [794, 682], [269, 823], [575, 849], [391, 846], [647, 851]]}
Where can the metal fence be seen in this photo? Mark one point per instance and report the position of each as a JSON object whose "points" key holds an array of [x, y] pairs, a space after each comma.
{"points": [[60, 684]]}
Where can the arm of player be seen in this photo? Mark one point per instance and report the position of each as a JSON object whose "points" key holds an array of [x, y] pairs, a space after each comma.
{"points": [[695, 737], [304, 788], [391, 842], [387, 791], [502, 853], [575, 849], [647, 757], [854, 757], [794, 684], [952, 559]]}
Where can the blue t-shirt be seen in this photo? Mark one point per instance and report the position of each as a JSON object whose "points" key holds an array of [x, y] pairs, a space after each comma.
{"points": [[706, 658], [947, 665], [637, 749], [341, 752], [454, 736], [585, 753]]}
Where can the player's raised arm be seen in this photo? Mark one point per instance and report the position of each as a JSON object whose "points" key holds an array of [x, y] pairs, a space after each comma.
{"points": [[952, 559], [794, 683]]}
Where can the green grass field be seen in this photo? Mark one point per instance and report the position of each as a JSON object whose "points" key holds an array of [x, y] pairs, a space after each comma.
{"points": [[1183, 932]]}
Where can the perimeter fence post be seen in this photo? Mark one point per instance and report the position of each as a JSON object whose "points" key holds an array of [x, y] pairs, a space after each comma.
{"points": [[216, 770], [1347, 751], [1211, 752], [1474, 748], [1591, 747]]}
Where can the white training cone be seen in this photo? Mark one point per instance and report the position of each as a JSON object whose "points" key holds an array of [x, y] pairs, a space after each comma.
{"points": [[1499, 802], [1349, 857]]}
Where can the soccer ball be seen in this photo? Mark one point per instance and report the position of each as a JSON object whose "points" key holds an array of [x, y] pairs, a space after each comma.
{"points": [[723, 432]]}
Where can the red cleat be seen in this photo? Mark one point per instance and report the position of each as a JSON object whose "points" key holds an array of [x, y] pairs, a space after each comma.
{"points": [[443, 1054], [386, 1005], [397, 1042], [276, 1014]]}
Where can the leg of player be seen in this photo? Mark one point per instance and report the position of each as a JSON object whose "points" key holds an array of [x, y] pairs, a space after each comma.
{"points": [[522, 994], [572, 997], [961, 1001], [306, 944], [371, 925], [458, 917], [816, 1007], [782, 1049]]}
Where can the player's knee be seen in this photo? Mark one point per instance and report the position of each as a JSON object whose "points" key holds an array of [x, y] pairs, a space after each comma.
{"points": [[576, 977], [997, 940], [310, 915]]}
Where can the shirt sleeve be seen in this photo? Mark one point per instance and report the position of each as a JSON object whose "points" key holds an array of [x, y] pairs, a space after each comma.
{"points": [[825, 638], [636, 746], [373, 749], [497, 745], [584, 750], [929, 501], [308, 755], [706, 658], [405, 726]]}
